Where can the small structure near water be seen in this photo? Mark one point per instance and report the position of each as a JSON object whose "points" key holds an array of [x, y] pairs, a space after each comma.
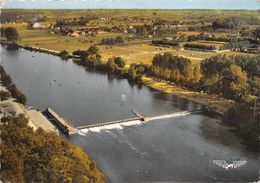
{"points": [[64, 125]]}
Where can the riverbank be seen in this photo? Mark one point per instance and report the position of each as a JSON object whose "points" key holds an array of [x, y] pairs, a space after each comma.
{"points": [[36, 119], [37, 49], [215, 103], [35, 127]]}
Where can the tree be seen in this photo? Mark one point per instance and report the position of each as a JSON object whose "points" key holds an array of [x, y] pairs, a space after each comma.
{"points": [[234, 83], [64, 54], [93, 49], [2, 31], [111, 64], [196, 73], [214, 65], [11, 165], [120, 62], [132, 71], [40, 156], [83, 21], [11, 34], [256, 33], [255, 86]]}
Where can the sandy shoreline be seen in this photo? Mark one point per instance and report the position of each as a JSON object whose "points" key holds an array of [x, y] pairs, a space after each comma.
{"points": [[215, 103]]}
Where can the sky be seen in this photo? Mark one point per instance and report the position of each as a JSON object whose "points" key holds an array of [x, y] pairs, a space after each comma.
{"points": [[131, 4]]}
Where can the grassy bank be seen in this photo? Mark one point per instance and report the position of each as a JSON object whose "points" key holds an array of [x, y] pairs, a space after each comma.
{"points": [[214, 102]]}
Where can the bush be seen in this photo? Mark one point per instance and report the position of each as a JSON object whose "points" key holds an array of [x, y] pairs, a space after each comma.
{"points": [[120, 62], [64, 54], [93, 49], [4, 95]]}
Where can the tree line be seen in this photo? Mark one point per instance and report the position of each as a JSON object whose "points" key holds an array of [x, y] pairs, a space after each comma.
{"points": [[11, 87], [233, 77], [205, 37], [174, 68], [81, 21], [165, 42], [116, 40], [199, 46], [40, 156]]}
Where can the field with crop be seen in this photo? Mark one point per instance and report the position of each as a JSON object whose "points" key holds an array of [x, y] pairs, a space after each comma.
{"points": [[136, 51]]}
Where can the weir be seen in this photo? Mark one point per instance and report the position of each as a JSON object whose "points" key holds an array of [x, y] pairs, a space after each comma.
{"points": [[139, 118], [66, 127]]}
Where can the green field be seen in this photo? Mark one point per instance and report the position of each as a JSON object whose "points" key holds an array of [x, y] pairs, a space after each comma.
{"points": [[133, 52]]}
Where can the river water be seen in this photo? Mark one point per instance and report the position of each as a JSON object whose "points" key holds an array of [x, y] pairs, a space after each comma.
{"points": [[163, 150]]}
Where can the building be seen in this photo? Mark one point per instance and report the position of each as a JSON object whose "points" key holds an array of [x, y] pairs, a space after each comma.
{"points": [[37, 26]]}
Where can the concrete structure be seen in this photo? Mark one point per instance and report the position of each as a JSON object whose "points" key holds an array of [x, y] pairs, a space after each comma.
{"points": [[64, 125], [40, 121], [141, 118]]}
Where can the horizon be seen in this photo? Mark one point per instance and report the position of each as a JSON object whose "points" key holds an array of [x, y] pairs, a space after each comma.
{"points": [[131, 9], [132, 4]]}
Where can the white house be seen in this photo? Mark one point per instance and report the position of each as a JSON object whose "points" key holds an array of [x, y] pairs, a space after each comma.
{"points": [[37, 26]]}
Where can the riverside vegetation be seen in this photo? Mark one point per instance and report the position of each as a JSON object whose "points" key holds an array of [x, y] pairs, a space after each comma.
{"points": [[39, 156], [234, 77], [11, 87]]}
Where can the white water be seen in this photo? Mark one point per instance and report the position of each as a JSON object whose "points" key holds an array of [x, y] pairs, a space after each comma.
{"points": [[129, 123], [109, 127], [178, 114]]}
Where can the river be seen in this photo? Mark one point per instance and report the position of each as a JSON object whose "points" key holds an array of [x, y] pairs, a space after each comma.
{"points": [[165, 150]]}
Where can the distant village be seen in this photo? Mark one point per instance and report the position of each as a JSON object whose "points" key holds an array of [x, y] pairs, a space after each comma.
{"points": [[235, 39]]}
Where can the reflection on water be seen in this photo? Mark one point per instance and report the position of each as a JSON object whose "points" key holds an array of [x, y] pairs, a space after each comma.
{"points": [[172, 149]]}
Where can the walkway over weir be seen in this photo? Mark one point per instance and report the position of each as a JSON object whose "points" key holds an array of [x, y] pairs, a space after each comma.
{"points": [[141, 118], [66, 127]]}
